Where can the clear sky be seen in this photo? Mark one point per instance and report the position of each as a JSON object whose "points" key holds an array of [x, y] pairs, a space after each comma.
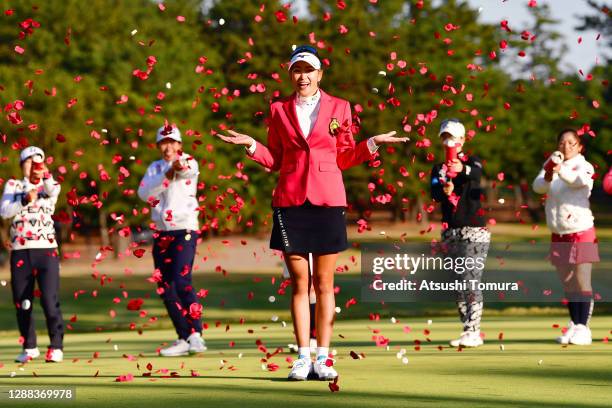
{"points": [[580, 56]]}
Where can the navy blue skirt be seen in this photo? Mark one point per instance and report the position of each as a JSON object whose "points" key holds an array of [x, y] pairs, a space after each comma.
{"points": [[309, 228]]}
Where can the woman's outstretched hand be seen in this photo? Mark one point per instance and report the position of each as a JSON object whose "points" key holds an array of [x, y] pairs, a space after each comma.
{"points": [[237, 138], [389, 138]]}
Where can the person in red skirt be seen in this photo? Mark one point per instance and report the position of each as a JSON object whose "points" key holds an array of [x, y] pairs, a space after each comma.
{"points": [[310, 143], [568, 186]]}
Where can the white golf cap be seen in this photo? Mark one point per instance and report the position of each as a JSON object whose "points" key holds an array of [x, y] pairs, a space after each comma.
{"points": [[29, 152], [453, 127], [168, 132], [307, 57]]}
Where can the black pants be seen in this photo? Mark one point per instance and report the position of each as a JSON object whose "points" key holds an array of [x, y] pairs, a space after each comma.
{"points": [[41, 264], [173, 255]]}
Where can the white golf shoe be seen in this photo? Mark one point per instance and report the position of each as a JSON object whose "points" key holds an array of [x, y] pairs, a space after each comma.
{"points": [[468, 339], [27, 355], [300, 369], [196, 343], [565, 337], [323, 371], [581, 336], [54, 356], [179, 348]]}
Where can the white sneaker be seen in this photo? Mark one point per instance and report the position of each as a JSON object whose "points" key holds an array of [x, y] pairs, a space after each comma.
{"points": [[324, 372], [54, 356], [565, 337], [581, 336], [468, 339], [179, 348], [300, 369], [27, 355], [196, 343]]}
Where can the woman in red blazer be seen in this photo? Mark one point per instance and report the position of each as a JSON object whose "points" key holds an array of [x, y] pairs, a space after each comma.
{"points": [[310, 142]]}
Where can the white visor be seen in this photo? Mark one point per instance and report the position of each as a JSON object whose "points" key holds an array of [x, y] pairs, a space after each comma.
{"points": [[308, 57]]}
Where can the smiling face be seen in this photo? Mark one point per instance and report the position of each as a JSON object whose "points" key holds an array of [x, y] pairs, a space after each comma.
{"points": [[569, 144], [169, 149], [304, 78]]}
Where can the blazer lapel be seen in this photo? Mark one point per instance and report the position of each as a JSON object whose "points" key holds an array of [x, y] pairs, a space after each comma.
{"points": [[290, 111], [322, 121]]}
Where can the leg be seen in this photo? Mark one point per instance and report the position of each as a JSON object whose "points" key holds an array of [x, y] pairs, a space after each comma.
{"points": [[298, 269], [184, 255], [583, 282], [567, 275], [47, 263], [167, 287], [323, 278], [22, 286], [312, 297], [478, 249], [450, 247]]}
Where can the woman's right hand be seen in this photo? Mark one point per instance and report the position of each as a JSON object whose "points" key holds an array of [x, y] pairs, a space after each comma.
{"points": [[548, 176], [237, 138]]}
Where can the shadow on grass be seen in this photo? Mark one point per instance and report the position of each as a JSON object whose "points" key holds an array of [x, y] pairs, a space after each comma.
{"points": [[195, 392]]}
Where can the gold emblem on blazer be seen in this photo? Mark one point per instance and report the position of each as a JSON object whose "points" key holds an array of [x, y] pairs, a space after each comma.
{"points": [[334, 126]]}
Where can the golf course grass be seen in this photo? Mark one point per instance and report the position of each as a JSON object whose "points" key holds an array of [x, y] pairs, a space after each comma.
{"points": [[531, 370]]}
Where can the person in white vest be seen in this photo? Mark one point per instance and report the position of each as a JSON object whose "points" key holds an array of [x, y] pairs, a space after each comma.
{"points": [[30, 203], [170, 187]]}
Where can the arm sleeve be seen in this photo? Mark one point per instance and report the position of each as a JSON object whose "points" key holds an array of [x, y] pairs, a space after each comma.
{"points": [[11, 201], [472, 170], [251, 149], [579, 177], [436, 185], [349, 154], [52, 188], [192, 169], [540, 185], [270, 156], [152, 184]]}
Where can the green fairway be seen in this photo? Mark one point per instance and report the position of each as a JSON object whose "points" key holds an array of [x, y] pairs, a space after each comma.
{"points": [[531, 370]]}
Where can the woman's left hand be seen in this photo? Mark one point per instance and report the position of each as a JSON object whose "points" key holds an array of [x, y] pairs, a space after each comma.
{"points": [[389, 138]]}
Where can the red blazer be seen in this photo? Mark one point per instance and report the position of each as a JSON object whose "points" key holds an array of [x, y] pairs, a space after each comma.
{"points": [[310, 168]]}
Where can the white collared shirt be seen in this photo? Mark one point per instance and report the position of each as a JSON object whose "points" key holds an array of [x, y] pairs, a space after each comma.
{"points": [[307, 109]]}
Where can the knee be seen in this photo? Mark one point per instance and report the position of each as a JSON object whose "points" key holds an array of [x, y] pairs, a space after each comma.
{"points": [[167, 293], [185, 291], [49, 301], [300, 287], [324, 287]]}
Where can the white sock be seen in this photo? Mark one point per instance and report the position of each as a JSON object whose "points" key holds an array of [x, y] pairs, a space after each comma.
{"points": [[322, 352], [303, 352]]}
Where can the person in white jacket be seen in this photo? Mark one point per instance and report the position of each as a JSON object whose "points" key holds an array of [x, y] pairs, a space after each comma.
{"points": [[567, 186], [169, 186], [30, 203]]}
